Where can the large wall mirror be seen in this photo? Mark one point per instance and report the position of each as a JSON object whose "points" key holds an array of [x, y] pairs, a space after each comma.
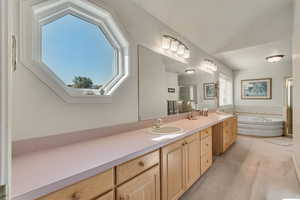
{"points": [[168, 87]]}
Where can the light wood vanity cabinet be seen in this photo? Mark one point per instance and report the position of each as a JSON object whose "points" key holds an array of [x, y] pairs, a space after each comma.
{"points": [[166, 173], [229, 132], [224, 135], [182, 163]]}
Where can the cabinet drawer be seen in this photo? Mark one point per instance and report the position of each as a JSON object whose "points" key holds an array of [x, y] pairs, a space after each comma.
{"points": [[206, 145], [85, 190], [205, 133], [206, 162], [134, 167]]}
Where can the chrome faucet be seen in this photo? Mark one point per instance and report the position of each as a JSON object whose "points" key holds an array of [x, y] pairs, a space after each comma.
{"points": [[158, 123], [191, 115]]}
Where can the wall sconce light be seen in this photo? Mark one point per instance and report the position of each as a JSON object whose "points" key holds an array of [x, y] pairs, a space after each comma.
{"points": [[208, 66], [176, 46]]}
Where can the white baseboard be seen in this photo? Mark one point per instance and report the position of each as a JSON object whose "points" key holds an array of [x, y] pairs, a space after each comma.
{"points": [[296, 167]]}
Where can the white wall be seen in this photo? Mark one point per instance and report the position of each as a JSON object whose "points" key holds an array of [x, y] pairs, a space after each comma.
{"points": [[296, 74], [278, 72], [39, 112]]}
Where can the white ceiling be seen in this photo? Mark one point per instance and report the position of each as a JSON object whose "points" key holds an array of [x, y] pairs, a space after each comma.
{"points": [[219, 26], [255, 57]]}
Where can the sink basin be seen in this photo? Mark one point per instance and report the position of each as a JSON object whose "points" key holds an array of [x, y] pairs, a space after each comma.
{"points": [[166, 130]]}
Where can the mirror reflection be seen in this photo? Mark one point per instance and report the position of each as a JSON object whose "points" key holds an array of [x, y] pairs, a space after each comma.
{"points": [[168, 87]]}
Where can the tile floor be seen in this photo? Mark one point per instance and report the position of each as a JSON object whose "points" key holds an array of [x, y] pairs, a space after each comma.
{"points": [[252, 169]]}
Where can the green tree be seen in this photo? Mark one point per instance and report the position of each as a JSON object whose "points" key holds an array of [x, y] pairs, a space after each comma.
{"points": [[82, 82]]}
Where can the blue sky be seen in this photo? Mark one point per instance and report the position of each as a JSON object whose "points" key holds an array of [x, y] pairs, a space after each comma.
{"points": [[73, 47]]}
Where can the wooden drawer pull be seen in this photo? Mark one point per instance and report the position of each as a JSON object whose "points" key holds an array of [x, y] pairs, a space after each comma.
{"points": [[141, 164], [76, 196]]}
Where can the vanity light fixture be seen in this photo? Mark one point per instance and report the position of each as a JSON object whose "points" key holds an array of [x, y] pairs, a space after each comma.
{"points": [[172, 44], [208, 66], [166, 43], [181, 49], [190, 71], [274, 58], [187, 53]]}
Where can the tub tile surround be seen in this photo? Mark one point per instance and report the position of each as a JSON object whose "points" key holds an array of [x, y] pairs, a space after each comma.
{"points": [[41, 172]]}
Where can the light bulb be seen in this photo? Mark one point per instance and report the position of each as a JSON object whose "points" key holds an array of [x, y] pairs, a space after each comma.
{"points": [[166, 42], [174, 45], [181, 49], [187, 53]]}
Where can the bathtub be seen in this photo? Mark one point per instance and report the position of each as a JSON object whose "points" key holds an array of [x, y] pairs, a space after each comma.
{"points": [[260, 126]]}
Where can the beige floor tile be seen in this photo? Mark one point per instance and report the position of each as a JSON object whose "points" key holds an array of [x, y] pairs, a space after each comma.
{"points": [[252, 169]]}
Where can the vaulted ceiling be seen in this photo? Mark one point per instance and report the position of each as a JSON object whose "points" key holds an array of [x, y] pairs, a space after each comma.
{"points": [[219, 26]]}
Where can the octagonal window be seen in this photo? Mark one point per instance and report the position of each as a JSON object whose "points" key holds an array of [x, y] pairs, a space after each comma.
{"points": [[78, 53]]}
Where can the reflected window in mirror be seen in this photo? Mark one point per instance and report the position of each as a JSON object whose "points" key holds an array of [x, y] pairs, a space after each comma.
{"points": [[225, 90]]}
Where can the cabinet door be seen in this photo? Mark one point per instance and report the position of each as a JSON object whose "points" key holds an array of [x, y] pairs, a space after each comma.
{"points": [[143, 187], [192, 153], [173, 171], [108, 196], [226, 135]]}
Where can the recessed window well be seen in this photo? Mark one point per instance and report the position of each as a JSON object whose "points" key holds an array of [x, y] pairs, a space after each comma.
{"points": [[75, 47], [78, 52]]}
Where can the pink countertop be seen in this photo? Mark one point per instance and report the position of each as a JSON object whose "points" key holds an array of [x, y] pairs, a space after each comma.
{"points": [[39, 173]]}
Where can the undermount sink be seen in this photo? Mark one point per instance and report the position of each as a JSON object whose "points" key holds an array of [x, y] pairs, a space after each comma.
{"points": [[166, 130]]}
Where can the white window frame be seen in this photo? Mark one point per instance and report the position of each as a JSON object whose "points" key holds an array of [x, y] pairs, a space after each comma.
{"points": [[5, 97], [36, 13]]}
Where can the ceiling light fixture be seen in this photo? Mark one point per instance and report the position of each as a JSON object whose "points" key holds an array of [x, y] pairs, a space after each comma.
{"points": [[274, 58], [176, 46], [190, 71]]}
